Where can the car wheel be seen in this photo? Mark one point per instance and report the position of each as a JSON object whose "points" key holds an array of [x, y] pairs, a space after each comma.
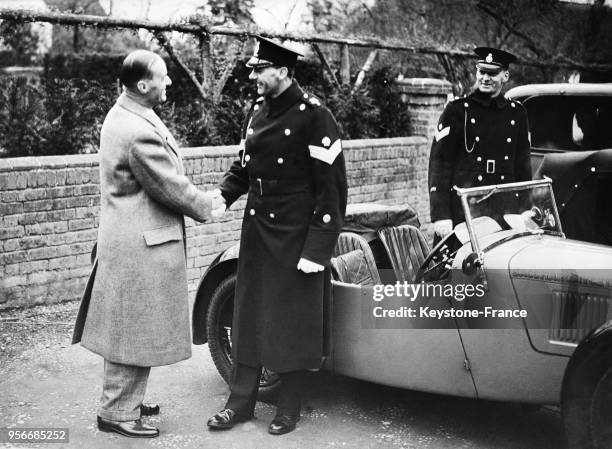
{"points": [[601, 412], [219, 335], [587, 404]]}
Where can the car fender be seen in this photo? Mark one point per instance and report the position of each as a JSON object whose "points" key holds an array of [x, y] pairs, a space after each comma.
{"points": [[594, 351], [222, 266], [589, 362]]}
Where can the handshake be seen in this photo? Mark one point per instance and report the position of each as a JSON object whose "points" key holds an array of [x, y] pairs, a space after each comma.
{"points": [[217, 203]]}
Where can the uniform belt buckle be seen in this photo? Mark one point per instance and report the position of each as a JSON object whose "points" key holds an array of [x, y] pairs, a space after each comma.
{"points": [[260, 186], [490, 165]]}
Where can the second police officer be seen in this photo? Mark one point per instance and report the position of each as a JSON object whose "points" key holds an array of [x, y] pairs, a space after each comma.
{"points": [[481, 139]]}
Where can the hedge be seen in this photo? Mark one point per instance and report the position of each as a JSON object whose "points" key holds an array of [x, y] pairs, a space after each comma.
{"points": [[62, 111]]}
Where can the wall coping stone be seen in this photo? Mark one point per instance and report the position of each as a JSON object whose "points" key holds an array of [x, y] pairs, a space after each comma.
{"points": [[91, 160], [40, 162], [430, 86]]}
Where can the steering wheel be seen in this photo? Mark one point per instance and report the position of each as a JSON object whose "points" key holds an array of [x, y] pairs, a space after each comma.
{"points": [[445, 250]]}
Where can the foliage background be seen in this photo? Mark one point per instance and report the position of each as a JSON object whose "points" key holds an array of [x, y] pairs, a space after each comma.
{"points": [[61, 110]]}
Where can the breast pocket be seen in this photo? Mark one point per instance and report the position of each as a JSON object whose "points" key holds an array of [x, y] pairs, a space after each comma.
{"points": [[163, 235]]}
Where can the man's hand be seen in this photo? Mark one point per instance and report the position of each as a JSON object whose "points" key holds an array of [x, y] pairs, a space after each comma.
{"points": [[217, 203], [307, 266], [443, 227]]}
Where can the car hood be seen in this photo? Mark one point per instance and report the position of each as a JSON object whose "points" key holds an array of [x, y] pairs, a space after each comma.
{"points": [[565, 287], [559, 260]]}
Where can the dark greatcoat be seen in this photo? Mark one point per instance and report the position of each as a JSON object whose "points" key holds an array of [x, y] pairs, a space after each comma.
{"points": [[292, 166], [479, 141]]}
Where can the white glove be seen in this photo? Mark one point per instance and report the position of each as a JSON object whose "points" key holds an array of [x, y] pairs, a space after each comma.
{"points": [[307, 266], [443, 227], [217, 203]]}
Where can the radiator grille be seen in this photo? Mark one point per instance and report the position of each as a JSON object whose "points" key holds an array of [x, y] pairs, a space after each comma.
{"points": [[574, 315]]}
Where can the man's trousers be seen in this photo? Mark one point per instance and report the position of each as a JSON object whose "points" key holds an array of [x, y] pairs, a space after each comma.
{"points": [[245, 383], [123, 391]]}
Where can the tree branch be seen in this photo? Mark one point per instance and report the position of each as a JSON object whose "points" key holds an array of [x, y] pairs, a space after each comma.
{"points": [[381, 44], [163, 41], [502, 21], [326, 64], [366, 67], [227, 71]]}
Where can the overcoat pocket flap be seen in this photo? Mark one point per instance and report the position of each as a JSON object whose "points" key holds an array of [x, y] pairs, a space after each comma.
{"points": [[162, 235]]}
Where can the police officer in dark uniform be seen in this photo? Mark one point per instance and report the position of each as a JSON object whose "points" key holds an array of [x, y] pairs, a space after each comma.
{"points": [[480, 140], [292, 166]]}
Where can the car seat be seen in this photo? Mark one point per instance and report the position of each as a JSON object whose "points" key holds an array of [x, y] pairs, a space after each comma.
{"points": [[407, 248], [353, 261]]}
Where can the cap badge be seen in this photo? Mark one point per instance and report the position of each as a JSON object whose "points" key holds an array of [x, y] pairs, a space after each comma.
{"points": [[489, 58]]}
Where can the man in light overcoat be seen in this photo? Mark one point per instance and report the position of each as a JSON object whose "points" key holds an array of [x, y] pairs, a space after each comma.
{"points": [[134, 311]]}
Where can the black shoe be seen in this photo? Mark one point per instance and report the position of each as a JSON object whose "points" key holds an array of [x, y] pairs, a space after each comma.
{"points": [[134, 429], [282, 424], [225, 419], [149, 409]]}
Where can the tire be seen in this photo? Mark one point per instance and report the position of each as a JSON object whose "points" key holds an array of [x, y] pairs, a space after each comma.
{"points": [[219, 335], [587, 403]]}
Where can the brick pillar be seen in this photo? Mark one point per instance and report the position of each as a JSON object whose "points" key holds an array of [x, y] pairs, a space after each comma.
{"points": [[425, 99]]}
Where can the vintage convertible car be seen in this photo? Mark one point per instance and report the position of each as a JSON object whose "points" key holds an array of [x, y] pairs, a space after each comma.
{"points": [[571, 143], [509, 308]]}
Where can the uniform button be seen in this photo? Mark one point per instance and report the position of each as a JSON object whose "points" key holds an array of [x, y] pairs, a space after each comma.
{"points": [[575, 186], [252, 212], [502, 177], [280, 160], [272, 215], [256, 107], [479, 159], [480, 177], [473, 120], [305, 95], [512, 104], [326, 218], [247, 157], [287, 131], [465, 105], [512, 122], [477, 139], [506, 158], [250, 131], [508, 140], [593, 169], [302, 107]]}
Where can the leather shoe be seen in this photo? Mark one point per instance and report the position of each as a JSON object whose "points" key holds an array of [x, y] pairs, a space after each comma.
{"points": [[282, 424], [149, 409], [225, 419], [133, 429]]}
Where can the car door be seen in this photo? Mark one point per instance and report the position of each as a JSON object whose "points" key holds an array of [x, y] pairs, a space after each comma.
{"points": [[406, 356]]}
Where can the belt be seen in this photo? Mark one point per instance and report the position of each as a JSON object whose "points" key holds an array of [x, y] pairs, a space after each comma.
{"points": [[277, 186]]}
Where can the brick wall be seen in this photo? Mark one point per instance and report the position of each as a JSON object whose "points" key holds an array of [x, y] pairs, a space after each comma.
{"points": [[49, 209]]}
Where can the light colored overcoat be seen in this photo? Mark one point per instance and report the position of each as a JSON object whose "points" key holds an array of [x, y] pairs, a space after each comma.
{"points": [[135, 309]]}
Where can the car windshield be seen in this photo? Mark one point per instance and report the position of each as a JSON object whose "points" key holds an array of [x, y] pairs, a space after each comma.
{"points": [[523, 206]]}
